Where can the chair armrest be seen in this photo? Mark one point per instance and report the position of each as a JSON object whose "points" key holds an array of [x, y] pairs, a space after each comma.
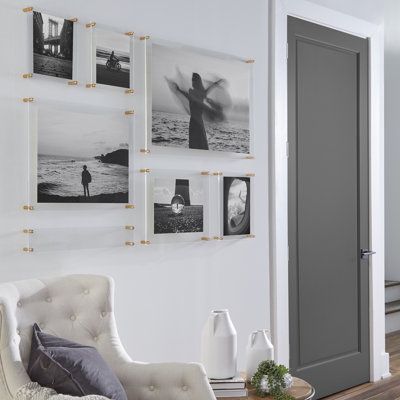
{"points": [[165, 381]]}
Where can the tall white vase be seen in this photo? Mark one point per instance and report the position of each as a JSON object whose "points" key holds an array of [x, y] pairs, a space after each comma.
{"points": [[219, 346], [259, 348]]}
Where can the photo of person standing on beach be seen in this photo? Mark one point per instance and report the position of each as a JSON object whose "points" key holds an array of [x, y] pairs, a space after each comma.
{"points": [[83, 157]]}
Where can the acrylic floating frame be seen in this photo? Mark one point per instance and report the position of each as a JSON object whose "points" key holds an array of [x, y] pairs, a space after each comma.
{"points": [[82, 238], [224, 85], [111, 70], [177, 206], [52, 49], [62, 139], [236, 206]]}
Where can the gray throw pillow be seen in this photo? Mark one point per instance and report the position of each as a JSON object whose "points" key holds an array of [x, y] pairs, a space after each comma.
{"points": [[71, 368]]}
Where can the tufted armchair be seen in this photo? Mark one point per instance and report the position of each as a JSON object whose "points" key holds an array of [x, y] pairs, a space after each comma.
{"points": [[81, 308]]}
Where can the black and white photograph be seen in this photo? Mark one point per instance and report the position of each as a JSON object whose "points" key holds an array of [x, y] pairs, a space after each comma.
{"points": [[178, 205], [199, 101], [236, 206], [83, 157], [113, 59], [53, 47]]}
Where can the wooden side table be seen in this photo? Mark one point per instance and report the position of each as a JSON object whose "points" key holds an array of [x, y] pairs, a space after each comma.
{"points": [[300, 390]]}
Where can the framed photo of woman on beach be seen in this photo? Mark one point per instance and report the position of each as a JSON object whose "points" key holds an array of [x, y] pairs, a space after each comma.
{"points": [[80, 154], [200, 100], [178, 206], [112, 58]]}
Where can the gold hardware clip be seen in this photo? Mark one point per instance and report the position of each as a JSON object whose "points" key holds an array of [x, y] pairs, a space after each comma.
{"points": [[129, 206], [144, 37], [251, 174], [146, 242], [249, 157], [90, 85], [145, 170], [205, 173], [129, 227], [250, 61], [206, 238], [74, 19], [129, 243], [145, 151], [129, 112], [28, 231], [129, 91], [72, 83], [28, 249], [218, 238], [250, 236], [27, 99], [27, 76], [27, 9], [27, 208], [91, 25], [129, 33], [217, 173]]}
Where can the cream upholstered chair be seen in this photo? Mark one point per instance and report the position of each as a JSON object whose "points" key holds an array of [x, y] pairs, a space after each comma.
{"points": [[81, 308]]}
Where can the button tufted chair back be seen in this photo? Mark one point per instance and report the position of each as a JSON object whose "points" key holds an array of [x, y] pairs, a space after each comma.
{"points": [[75, 307]]}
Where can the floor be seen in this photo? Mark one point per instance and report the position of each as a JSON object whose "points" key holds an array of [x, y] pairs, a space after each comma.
{"points": [[387, 389]]}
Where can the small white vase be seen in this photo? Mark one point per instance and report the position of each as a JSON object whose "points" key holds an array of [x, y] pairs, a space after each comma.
{"points": [[219, 346], [259, 348]]}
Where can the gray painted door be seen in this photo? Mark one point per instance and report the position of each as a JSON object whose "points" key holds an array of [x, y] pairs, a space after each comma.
{"points": [[328, 206]]}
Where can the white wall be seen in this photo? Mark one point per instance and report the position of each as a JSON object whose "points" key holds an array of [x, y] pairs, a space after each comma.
{"points": [[392, 138], [164, 293]]}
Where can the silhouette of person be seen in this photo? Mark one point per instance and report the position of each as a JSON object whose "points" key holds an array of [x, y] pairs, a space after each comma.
{"points": [[112, 58], [86, 179], [198, 103]]}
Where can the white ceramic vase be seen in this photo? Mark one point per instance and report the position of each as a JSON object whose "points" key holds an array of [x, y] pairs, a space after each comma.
{"points": [[259, 348], [219, 346]]}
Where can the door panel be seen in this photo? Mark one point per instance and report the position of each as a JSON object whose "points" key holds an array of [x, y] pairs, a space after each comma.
{"points": [[328, 206]]}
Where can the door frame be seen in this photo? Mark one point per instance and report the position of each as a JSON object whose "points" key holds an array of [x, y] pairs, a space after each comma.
{"points": [[279, 10]]}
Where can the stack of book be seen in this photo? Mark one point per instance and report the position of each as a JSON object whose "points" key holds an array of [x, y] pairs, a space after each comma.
{"points": [[234, 387]]}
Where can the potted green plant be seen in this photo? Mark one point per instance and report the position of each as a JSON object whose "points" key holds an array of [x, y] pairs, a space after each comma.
{"points": [[272, 379]]}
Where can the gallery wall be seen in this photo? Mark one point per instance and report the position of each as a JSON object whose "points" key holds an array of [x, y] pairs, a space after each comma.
{"points": [[163, 292]]}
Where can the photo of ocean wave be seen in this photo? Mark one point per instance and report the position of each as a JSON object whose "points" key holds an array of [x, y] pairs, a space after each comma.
{"points": [[172, 130], [59, 180]]}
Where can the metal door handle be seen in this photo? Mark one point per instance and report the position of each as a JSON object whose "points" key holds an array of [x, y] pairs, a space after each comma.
{"points": [[366, 253]]}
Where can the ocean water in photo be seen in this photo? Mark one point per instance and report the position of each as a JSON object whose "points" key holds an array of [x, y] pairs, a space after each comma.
{"points": [[172, 130], [59, 175]]}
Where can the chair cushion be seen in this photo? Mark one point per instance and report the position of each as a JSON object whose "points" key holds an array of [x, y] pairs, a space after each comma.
{"points": [[71, 368]]}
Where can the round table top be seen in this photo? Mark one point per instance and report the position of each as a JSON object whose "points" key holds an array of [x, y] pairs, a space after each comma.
{"points": [[300, 390]]}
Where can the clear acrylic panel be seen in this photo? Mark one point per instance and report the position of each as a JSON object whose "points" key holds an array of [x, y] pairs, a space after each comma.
{"points": [[65, 141], [236, 206], [112, 59], [224, 127], [177, 206], [67, 238], [53, 40]]}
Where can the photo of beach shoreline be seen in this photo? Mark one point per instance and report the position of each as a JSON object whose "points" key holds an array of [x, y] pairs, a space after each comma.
{"points": [[199, 101], [82, 157]]}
